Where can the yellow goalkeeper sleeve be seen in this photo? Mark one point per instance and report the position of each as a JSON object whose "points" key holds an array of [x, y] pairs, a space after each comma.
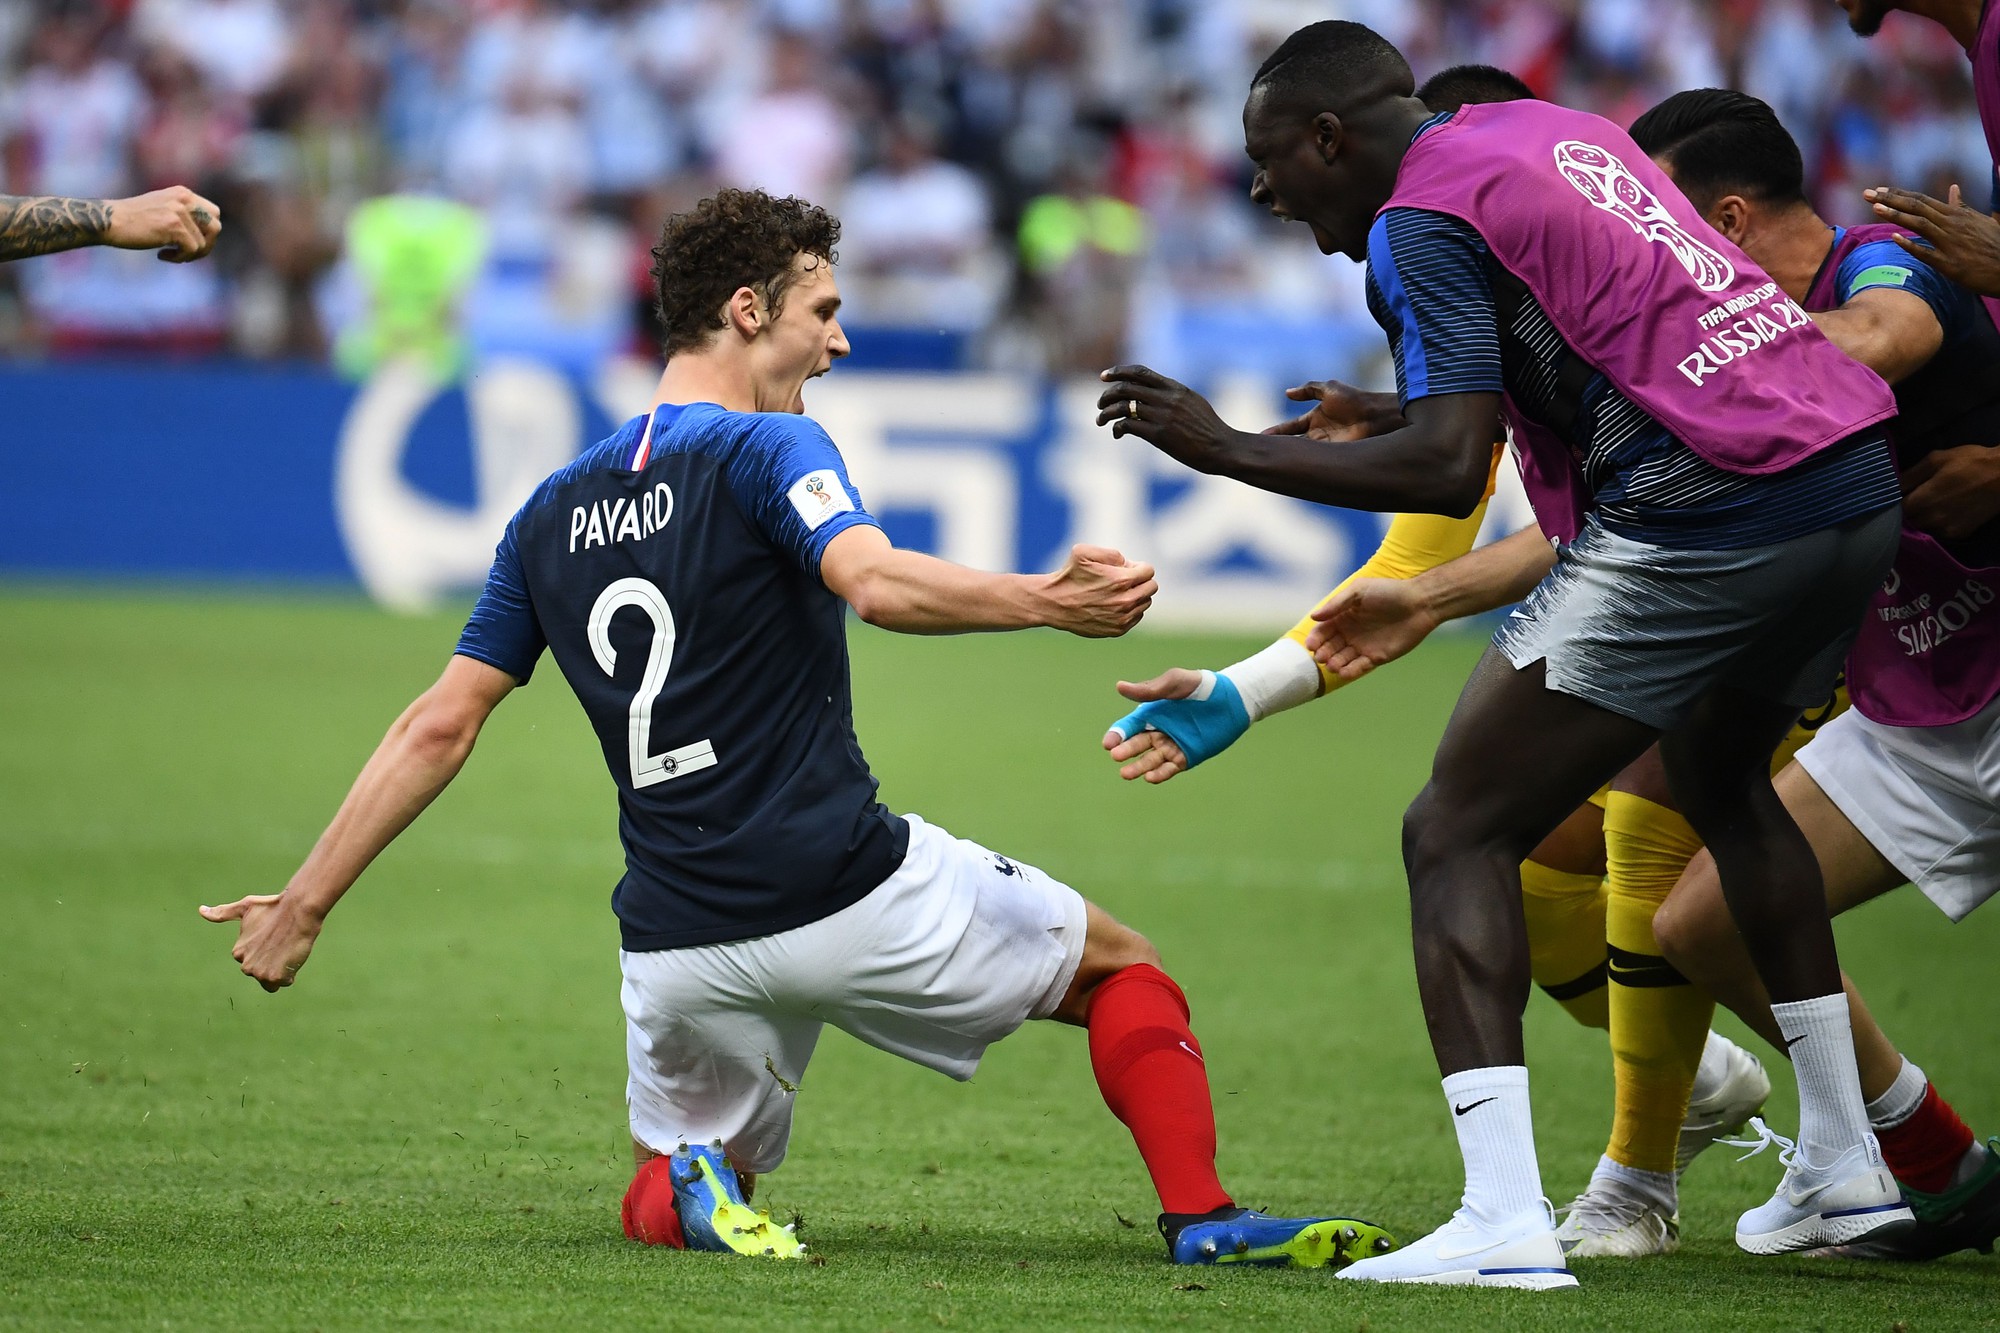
{"points": [[1413, 544]]}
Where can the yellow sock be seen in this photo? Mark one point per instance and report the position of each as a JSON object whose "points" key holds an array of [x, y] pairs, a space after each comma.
{"points": [[1658, 1020], [1566, 939]]}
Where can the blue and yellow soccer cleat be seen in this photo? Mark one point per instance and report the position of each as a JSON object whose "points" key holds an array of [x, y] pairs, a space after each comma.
{"points": [[713, 1213], [1242, 1236]]}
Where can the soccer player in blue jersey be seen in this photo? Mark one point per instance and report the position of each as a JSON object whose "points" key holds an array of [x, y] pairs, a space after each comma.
{"points": [[688, 575]]}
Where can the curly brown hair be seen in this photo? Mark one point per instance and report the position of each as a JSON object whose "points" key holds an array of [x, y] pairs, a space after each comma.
{"points": [[730, 240]]}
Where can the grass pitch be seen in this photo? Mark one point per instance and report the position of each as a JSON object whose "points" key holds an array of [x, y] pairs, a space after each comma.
{"points": [[429, 1130]]}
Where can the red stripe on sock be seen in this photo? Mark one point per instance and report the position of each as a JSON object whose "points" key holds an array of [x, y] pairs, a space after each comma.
{"points": [[1149, 1068], [648, 1211], [1924, 1151]]}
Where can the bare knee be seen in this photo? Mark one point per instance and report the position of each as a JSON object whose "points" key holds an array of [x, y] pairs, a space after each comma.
{"points": [[1694, 920], [1109, 947], [1426, 831]]}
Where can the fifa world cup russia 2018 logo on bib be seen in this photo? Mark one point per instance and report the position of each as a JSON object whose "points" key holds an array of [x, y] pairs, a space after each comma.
{"points": [[1610, 185]]}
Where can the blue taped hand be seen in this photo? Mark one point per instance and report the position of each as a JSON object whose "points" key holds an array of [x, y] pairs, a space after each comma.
{"points": [[1203, 728]]}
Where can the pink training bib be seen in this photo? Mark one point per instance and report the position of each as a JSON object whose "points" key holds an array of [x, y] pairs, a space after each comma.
{"points": [[1676, 317]]}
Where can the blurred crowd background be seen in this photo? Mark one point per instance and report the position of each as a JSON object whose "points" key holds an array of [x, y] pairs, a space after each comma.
{"points": [[1037, 185]]}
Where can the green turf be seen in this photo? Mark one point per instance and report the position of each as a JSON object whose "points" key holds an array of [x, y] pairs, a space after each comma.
{"points": [[429, 1130]]}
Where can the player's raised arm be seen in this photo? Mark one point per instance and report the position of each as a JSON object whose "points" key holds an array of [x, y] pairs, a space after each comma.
{"points": [[1187, 717], [1096, 593], [176, 221], [419, 757]]}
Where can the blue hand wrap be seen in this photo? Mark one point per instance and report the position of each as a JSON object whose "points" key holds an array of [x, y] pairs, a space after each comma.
{"points": [[1203, 728]]}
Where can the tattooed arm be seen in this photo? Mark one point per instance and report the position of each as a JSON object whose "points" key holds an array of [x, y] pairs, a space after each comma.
{"points": [[176, 221]]}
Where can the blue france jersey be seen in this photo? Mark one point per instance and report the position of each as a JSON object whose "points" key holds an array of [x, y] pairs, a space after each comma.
{"points": [[673, 573]]}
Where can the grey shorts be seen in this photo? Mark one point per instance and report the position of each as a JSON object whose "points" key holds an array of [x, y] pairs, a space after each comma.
{"points": [[1645, 630]]}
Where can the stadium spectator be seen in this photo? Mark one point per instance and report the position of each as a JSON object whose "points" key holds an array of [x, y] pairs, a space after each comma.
{"points": [[1079, 249], [74, 115], [916, 239], [576, 123], [793, 138], [241, 46]]}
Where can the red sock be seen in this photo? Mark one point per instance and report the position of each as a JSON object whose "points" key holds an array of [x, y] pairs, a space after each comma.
{"points": [[1924, 1151], [1150, 1070], [649, 1212]]}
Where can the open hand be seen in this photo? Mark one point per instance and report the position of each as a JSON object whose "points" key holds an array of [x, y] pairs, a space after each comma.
{"points": [[1339, 412], [176, 221], [1152, 755], [1368, 623], [1165, 413], [1097, 594], [273, 941], [1967, 241], [1950, 493]]}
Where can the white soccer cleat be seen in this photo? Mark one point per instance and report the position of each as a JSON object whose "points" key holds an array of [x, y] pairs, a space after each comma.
{"points": [[1467, 1252], [1606, 1222], [1725, 1108], [1852, 1197]]}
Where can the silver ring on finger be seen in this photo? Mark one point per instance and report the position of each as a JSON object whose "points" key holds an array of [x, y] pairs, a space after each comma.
{"points": [[1132, 409]]}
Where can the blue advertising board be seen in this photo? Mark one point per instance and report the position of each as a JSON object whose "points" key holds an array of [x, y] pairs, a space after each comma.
{"points": [[403, 485]]}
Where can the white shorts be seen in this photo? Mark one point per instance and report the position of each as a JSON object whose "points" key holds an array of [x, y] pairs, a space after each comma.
{"points": [[1928, 798], [948, 955]]}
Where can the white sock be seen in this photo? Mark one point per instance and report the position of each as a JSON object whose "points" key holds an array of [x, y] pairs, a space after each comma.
{"points": [[1713, 1069], [1496, 1136], [1902, 1099], [1819, 1038], [1656, 1187]]}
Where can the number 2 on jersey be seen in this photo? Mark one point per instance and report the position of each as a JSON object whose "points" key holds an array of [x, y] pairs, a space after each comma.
{"points": [[647, 769]]}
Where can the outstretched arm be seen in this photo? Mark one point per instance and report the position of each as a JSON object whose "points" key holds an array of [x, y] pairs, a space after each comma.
{"points": [[1187, 717], [419, 757], [1095, 594], [176, 221], [1436, 464]]}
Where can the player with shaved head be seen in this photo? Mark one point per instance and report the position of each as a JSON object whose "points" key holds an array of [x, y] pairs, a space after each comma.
{"points": [[1714, 476]]}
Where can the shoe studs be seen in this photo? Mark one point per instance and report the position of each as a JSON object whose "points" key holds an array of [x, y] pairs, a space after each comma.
{"points": [[1348, 1235], [1208, 1249], [1382, 1245]]}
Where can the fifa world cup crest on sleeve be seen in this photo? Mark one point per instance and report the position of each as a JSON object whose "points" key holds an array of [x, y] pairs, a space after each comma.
{"points": [[1610, 185]]}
